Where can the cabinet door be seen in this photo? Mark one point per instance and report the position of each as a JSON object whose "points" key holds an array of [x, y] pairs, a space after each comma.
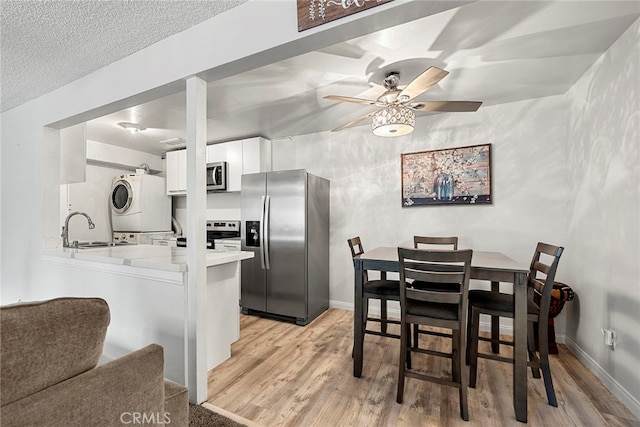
{"points": [[176, 172], [256, 155], [234, 165], [73, 155], [230, 152], [217, 153]]}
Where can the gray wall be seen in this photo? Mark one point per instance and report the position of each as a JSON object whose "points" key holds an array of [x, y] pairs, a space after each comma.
{"points": [[529, 185], [565, 170], [603, 214]]}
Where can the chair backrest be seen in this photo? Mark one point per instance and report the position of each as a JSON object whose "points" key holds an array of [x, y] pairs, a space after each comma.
{"points": [[542, 273], [435, 266], [355, 244], [429, 240]]}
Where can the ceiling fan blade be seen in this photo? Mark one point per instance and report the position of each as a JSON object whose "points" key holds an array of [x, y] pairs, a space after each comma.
{"points": [[447, 106], [352, 122], [350, 99], [421, 83]]}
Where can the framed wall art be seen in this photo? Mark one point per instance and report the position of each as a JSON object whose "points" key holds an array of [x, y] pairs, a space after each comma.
{"points": [[451, 176], [312, 13]]}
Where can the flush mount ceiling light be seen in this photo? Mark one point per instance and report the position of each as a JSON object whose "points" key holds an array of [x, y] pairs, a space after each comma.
{"points": [[131, 127], [393, 120]]}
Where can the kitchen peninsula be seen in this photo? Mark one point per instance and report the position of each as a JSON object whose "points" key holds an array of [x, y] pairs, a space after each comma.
{"points": [[145, 287]]}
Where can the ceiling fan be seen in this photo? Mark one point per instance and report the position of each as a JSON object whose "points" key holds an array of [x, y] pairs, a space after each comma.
{"points": [[396, 115]]}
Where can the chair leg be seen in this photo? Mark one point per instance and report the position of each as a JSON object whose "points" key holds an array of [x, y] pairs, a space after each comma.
{"points": [[365, 312], [495, 323], [403, 361], [462, 376], [416, 335], [365, 315], [408, 343], [535, 371], [455, 350], [544, 365], [469, 322], [473, 354], [383, 315]]}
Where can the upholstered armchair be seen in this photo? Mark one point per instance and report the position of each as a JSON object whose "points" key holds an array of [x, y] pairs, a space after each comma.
{"points": [[49, 371]]}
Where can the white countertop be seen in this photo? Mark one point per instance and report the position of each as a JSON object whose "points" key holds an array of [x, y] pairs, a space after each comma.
{"points": [[147, 256]]}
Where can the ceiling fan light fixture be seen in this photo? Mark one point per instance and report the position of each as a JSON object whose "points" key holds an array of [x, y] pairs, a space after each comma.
{"points": [[131, 127], [393, 120]]}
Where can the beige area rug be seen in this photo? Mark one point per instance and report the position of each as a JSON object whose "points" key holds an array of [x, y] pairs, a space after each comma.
{"points": [[207, 415]]}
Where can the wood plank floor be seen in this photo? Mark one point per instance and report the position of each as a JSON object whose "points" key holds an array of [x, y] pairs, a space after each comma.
{"points": [[280, 374]]}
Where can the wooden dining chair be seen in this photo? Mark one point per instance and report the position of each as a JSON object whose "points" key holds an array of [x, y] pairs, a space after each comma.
{"points": [[541, 276], [432, 242], [435, 307], [381, 289]]}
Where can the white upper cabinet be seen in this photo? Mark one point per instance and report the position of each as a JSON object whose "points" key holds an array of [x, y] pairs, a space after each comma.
{"points": [[243, 156], [230, 152], [176, 166], [73, 157], [256, 155]]}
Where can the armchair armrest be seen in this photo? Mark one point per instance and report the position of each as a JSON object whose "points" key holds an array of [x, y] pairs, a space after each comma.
{"points": [[108, 395]]}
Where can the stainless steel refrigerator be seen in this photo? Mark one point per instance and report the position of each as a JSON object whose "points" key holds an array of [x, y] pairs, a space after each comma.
{"points": [[285, 223]]}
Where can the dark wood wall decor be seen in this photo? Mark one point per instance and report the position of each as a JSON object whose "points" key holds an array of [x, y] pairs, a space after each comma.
{"points": [[452, 176], [312, 13]]}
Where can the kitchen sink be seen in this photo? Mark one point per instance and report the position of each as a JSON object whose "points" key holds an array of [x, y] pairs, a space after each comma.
{"points": [[89, 245]]}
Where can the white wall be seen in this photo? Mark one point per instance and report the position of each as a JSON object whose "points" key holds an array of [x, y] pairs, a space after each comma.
{"points": [[603, 238], [92, 195], [540, 191], [528, 174], [30, 146], [220, 206]]}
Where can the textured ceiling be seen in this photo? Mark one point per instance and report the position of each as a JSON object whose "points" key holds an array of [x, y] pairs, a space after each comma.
{"points": [[47, 44], [495, 51]]}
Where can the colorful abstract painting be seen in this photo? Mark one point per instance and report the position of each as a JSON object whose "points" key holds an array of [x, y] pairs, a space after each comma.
{"points": [[451, 176]]}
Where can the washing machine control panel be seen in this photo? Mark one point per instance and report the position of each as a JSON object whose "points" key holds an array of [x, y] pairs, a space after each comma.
{"points": [[133, 238]]}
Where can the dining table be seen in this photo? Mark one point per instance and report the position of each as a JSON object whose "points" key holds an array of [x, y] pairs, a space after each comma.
{"points": [[494, 267]]}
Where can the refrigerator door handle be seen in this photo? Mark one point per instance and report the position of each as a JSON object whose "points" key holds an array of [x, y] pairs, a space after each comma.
{"points": [[262, 233], [267, 236]]}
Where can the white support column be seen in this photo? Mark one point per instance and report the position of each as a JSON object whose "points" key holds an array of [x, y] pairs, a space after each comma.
{"points": [[50, 168], [196, 287]]}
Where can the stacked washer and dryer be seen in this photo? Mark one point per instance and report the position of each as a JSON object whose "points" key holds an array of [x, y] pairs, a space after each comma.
{"points": [[140, 208]]}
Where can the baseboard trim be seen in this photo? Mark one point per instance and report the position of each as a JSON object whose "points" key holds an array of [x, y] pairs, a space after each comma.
{"points": [[609, 382], [230, 415]]}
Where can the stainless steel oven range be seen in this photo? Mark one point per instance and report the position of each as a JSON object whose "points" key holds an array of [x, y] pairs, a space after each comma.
{"points": [[224, 234], [221, 234]]}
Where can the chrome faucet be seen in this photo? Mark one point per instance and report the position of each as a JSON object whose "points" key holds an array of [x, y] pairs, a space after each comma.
{"points": [[65, 228]]}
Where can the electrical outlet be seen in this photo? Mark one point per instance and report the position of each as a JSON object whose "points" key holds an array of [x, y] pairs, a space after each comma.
{"points": [[609, 338]]}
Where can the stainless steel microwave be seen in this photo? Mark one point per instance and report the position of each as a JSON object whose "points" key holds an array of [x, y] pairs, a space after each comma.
{"points": [[216, 176]]}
